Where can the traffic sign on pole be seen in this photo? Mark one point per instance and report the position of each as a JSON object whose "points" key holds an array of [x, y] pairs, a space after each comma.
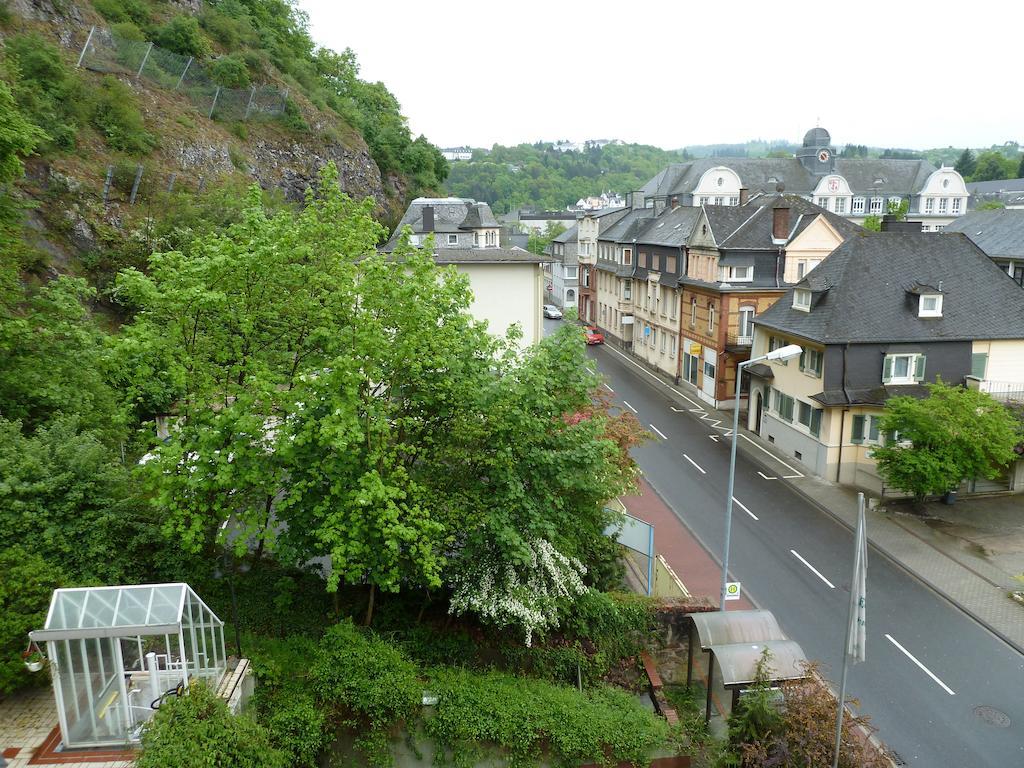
{"points": [[732, 590]]}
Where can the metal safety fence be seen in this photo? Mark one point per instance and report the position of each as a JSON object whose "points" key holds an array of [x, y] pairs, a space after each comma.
{"points": [[107, 52]]}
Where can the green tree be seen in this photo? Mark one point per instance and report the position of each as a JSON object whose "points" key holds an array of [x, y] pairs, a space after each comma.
{"points": [[25, 589], [990, 205], [953, 434], [894, 209], [966, 163], [540, 240], [992, 166], [1020, 168], [182, 35], [197, 729]]}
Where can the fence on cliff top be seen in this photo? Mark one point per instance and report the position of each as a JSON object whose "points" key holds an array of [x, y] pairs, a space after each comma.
{"points": [[105, 51]]}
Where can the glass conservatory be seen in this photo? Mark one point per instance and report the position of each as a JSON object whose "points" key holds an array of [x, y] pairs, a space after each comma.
{"points": [[117, 652]]}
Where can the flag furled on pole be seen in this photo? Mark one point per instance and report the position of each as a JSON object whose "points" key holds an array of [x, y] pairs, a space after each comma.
{"points": [[858, 616]]}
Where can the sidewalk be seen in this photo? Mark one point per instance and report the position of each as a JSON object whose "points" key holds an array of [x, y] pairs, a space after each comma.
{"points": [[699, 571], [975, 584]]}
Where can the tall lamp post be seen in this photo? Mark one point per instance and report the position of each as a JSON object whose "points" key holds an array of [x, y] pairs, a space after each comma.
{"points": [[783, 353]]}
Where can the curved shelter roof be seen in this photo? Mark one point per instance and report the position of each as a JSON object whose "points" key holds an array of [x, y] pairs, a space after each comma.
{"points": [[139, 609], [738, 661], [719, 628]]}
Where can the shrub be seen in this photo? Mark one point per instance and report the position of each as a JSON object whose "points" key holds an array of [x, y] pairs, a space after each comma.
{"points": [[114, 114], [182, 35], [46, 88], [365, 677], [128, 30], [198, 729], [25, 589], [230, 71], [293, 118], [525, 716], [122, 10]]}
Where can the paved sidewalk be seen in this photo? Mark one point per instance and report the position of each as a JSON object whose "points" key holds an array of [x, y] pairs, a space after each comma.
{"points": [[978, 588], [699, 571]]}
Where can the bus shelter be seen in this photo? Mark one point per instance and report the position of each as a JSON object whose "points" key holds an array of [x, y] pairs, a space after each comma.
{"points": [[734, 642], [117, 652]]}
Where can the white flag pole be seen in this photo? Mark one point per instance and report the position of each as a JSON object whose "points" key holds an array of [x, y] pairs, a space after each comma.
{"points": [[853, 644]]}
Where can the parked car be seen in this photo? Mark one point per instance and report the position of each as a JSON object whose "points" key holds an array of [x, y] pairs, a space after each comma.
{"points": [[593, 335], [553, 312]]}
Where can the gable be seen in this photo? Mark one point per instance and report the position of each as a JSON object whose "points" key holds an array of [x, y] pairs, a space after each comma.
{"points": [[818, 236]]}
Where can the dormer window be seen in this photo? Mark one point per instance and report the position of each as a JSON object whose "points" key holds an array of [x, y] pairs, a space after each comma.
{"points": [[930, 305], [802, 299], [453, 239]]}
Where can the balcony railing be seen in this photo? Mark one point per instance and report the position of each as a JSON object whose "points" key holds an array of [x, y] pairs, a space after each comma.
{"points": [[1003, 391], [737, 340]]}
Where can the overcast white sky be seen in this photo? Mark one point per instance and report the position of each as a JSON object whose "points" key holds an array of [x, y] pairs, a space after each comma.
{"points": [[672, 73]]}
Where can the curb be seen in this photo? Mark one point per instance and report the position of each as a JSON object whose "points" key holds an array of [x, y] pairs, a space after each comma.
{"points": [[752, 455]]}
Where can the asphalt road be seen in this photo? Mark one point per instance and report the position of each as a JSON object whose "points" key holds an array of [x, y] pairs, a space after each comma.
{"points": [[929, 666]]}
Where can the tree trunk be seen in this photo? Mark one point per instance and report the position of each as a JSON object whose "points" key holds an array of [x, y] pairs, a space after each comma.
{"points": [[266, 524], [369, 607], [423, 608]]}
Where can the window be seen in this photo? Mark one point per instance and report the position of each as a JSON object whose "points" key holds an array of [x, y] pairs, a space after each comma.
{"points": [[586, 277], [571, 273], [864, 429], [858, 205], [810, 417], [693, 315], [627, 291], [810, 362], [840, 205], [876, 205], [784, 406], [670, 264], [930, 305], [641, 259], [734, 201], [823, 203], [476, 239], [453, 239], [746, 324], [777, 342], [718, 201], [802, 299], [929, 204], [703, 201], [654, 337], [979, 361], [956, 205], [903, 369], [627, 255], [671, 346], [895, 202], [942, 205], [711, 317], [672, 304], [664, 340], [709, 370], [736, 274]]}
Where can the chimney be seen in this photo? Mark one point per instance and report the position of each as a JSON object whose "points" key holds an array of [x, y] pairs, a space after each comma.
{"points": [[675, 203], [780, 221], [744, 195], [891, 224], [428, 218]]}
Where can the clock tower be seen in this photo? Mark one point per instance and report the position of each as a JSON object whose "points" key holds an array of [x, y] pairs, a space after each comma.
{"points": [[817, 154]]}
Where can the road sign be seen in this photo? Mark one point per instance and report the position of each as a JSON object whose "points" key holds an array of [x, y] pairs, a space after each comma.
{"points": [[732, 590]]}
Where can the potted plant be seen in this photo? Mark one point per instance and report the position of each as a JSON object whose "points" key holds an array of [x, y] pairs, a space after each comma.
{"points": [[33, 658]]}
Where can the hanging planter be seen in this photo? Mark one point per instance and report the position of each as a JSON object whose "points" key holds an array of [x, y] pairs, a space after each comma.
{"points": [[33, 657]]}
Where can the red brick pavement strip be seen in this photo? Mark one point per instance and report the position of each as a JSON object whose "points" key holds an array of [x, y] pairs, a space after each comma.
{"points": [[700, 572]]}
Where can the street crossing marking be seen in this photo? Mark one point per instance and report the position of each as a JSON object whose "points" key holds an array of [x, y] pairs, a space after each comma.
{"points": [[740, 504], [815, 570], [661, 434], [698, 466], [634, 410], [924, 669]]}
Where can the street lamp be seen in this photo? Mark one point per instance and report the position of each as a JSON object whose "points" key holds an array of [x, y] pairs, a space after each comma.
{"points": [[787, 352]]}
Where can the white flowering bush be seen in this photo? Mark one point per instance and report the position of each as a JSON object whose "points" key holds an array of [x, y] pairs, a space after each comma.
{"points": [[529, 597]]}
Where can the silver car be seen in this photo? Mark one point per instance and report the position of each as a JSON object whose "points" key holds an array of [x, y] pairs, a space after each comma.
{"points": [[553, 312]]}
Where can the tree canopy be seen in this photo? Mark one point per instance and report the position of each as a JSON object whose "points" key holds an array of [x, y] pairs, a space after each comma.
{"points": [[932, 444]]}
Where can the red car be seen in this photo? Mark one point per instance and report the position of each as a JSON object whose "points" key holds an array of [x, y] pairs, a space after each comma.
{"points": [[593, 335]]}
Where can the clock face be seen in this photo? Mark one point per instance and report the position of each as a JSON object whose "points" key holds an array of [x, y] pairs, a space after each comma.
{"points": [[823, 156], [833, 184]]}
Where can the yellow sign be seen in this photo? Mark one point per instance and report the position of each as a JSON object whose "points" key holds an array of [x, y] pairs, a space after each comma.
{"points": [[696, 349]]}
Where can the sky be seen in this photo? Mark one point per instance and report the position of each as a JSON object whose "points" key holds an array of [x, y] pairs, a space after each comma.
{"points": [[674, 73]]}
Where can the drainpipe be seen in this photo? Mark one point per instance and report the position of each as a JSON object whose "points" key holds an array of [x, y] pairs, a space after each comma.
{"points": [[842, 416]]}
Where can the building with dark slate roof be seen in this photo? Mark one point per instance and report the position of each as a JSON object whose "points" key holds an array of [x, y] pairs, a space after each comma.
{"points": [[562, 271], [1000, 234], [885, 314], [850, 187], [507, 281]]}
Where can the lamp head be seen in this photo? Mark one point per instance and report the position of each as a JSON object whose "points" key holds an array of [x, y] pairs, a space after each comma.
{"points": [[787, 352]]}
